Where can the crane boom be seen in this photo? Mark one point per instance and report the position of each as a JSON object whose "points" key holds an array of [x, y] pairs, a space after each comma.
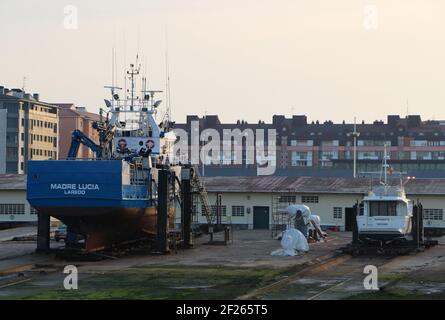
{"points": [[77, 138]]}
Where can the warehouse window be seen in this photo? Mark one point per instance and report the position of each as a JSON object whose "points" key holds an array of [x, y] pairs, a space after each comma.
{"points": [[223, 210], [12, 208], [213, 210], [433, 214], [33, 210], [287, 199], [309, 199], [238, 211], [338, 213]]}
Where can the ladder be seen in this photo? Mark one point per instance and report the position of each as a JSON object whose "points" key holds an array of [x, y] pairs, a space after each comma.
{"points": [[201, 190]]}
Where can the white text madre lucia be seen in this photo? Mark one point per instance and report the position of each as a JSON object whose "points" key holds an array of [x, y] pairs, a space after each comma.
{"points": [[73, 188]]}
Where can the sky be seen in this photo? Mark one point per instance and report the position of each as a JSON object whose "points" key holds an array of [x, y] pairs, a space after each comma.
{"points": [[240, 59]]}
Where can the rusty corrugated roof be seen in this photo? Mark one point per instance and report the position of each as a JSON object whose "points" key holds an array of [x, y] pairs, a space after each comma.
{"points": [[333, 185], [266, 184], [12, 181]]}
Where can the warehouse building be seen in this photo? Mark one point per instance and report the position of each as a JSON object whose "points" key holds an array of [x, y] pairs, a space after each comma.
{"points": [[256, 202], [13, 204]]}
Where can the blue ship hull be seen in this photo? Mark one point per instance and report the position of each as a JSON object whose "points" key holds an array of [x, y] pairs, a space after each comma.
{"points": [[98, 199]]}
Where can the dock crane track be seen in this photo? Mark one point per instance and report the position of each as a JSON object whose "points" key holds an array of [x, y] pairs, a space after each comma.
{"points": [[385, 287], [323, 264]]}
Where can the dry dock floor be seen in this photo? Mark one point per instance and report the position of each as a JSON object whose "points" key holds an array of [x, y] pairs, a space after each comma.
{"points": [[242, 270]]}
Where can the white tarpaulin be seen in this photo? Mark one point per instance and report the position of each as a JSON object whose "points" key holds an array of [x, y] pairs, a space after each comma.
{"points": [[305, 212], [292, 242]]}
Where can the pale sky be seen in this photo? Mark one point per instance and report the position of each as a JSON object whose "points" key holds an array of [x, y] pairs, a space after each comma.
{"points": [[240, 59]]}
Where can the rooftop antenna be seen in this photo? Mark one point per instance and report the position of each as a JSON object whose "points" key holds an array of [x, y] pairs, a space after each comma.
{"points": [[355, 135], [24, 84], [407, 107]]}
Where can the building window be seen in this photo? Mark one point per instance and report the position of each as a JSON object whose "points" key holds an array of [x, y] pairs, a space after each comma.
{"points": [[287, 199], [223, 210], [301, 159], [309, 199], [433, 214], [12, 208], [238, 211], [33, 210], [338, 213]]}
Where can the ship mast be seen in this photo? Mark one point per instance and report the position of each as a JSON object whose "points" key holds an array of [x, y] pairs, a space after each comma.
{"points": [[132, 73]]}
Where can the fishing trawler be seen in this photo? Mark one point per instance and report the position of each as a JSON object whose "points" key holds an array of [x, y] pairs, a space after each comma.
{"points": [[113, 197], [386, 213]]}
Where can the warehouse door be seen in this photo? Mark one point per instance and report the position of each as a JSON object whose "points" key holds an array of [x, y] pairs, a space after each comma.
{"points": [[261, 217], [349, 219]]}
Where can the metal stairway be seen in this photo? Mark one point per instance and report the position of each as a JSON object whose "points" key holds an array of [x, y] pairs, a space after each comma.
{"points": [[200, 189]]}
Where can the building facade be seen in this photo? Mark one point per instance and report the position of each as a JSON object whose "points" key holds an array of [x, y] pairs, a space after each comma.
{"points": [[258, 202], [13, 204], [304, 148], [29, 130], [73, 118]]}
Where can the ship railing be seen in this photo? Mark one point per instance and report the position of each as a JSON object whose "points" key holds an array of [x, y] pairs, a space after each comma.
{"points": [[82, 159], [138, 175], [391, 191]]}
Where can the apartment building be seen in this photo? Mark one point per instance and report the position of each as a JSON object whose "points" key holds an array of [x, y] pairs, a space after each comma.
{"points": [[28, 130], [72, 118], [326, 148]]}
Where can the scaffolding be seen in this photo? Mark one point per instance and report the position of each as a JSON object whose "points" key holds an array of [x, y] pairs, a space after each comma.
{"points": [[280, 201]]}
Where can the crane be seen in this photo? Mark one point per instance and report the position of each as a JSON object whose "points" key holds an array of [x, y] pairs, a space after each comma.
{"points": [[77, 138]]}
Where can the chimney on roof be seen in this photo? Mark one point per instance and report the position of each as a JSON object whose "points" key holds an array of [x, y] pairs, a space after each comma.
{"points": [[278, 119], [393, 120], [414, 121], [81, 109], [212, 121], [18, 93], [299, 120], [36, 96]]}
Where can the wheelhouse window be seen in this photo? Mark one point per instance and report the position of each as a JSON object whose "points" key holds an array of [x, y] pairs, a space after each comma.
{"points": [[382, 208]]}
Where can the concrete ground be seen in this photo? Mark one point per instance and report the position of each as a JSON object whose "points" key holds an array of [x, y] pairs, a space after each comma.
{"points": [[243, 269], [9, 234]]}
